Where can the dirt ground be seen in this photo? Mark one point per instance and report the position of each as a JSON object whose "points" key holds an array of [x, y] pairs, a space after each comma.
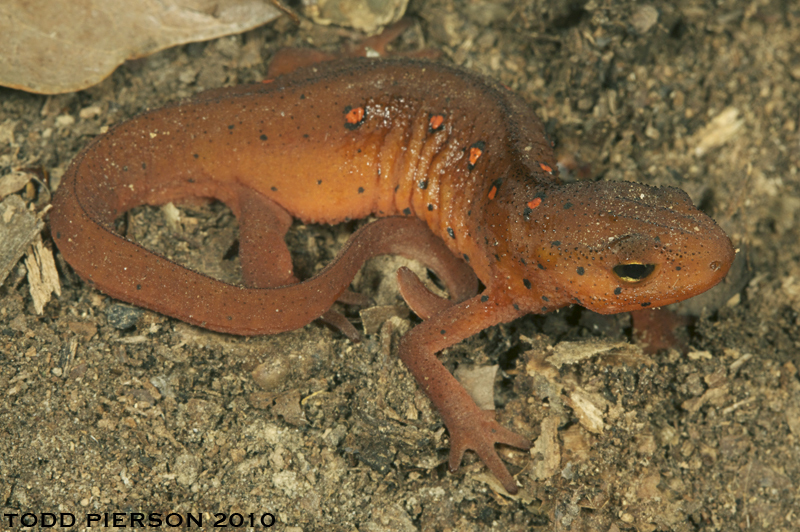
{"points": [[106, 408]]}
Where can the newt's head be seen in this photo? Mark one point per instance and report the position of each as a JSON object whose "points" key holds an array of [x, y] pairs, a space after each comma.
{"points": [[610, 247]]}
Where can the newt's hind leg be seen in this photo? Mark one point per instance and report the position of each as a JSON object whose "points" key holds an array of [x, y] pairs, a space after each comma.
{"points": [[266, 260], [290, 59], [376, 45]]}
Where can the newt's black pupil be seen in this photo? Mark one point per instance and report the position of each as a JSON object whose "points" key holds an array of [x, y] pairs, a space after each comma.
{"points": [[633, 272]]}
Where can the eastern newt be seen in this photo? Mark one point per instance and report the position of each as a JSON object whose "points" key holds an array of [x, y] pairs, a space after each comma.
{"points": [[458, 169]]}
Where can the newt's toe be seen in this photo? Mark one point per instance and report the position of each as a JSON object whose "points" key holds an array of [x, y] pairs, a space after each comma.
{"points": [[480, 436]]}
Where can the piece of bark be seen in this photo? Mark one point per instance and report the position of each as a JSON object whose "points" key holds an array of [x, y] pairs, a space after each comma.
{"points": [[18, 228], [42, 274]]}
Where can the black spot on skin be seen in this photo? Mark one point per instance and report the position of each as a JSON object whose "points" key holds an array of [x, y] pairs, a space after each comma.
{"points": [[646, 304], [231, 126], [540, 266], [124, 168], [617, 291], [568, 205], [230, 318], [302, 96], [677, 268], [466, 257], [196, 155], [450, 232], [423, 184], [319, 181], [360, 190], [144, 166], [527, 283], [545, 299], [430, 207], [526, 213], [580, 270], [138, 287], [496, 184], [484, 299], [442, 332], [274, 189], [516, 307], [556, 243], [407, 211]]}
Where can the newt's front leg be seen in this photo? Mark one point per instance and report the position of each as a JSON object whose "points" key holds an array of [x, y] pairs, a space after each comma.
{"points": [[469, 426]]}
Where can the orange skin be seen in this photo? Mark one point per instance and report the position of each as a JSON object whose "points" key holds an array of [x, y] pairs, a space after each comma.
{"points": [[456, 167]]}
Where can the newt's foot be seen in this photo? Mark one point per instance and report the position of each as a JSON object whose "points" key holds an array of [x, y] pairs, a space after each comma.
{"points": [[337, 320], [479, 433]]}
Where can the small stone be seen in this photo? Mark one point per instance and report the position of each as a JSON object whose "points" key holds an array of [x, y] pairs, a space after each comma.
{"points": [[644, 18], [122, 317]]}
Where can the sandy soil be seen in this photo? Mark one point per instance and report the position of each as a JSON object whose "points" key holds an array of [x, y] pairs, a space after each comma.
{"points": [[111, 409]]}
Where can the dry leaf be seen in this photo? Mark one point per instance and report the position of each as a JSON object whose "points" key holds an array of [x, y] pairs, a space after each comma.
{"points": [[574, 352], [479, 383], [13, 182], [365, 16], [590, 416], [722, 128], [52, 46]]}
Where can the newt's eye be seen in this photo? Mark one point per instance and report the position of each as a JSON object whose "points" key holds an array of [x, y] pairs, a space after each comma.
{"points": [[633, 272]]}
